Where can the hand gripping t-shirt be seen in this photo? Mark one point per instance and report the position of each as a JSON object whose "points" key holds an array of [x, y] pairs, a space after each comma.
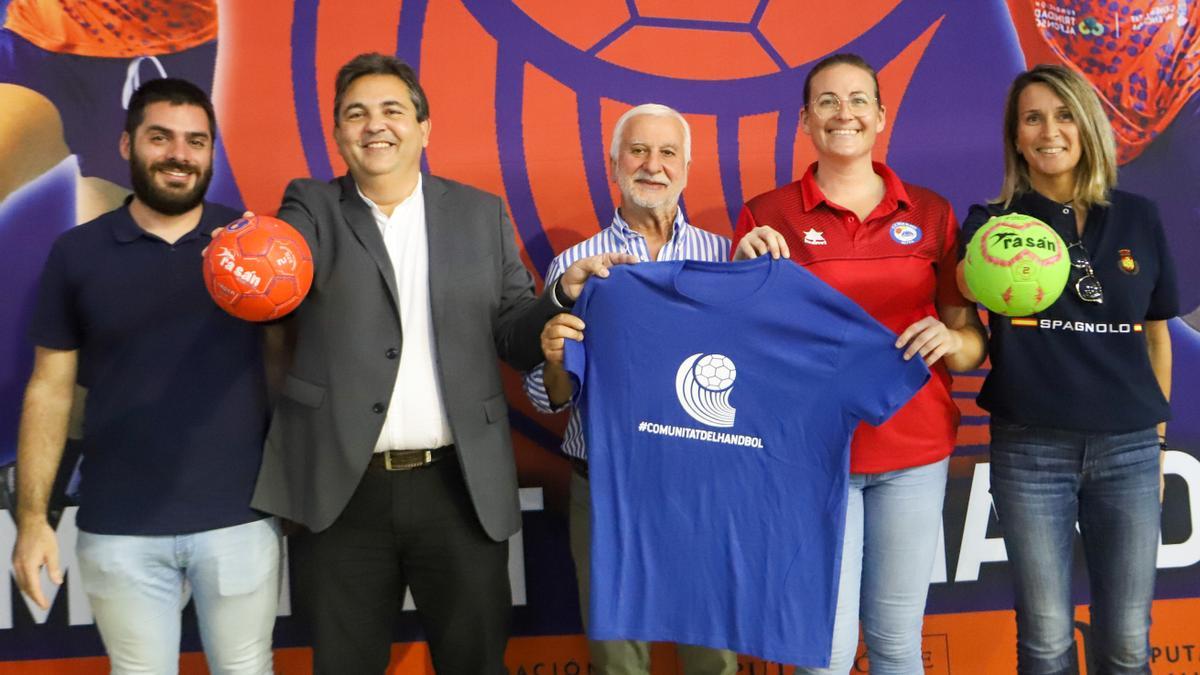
{"points": [[718, 402]]}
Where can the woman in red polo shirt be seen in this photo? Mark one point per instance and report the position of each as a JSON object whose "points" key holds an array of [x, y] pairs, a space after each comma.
{"points": [[891, 247]]}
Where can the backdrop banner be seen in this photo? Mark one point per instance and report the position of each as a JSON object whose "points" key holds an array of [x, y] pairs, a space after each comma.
{"points": [[523, 97]]}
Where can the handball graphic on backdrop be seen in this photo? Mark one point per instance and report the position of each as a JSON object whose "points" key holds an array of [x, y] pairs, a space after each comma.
{"points": [[523, 96]]}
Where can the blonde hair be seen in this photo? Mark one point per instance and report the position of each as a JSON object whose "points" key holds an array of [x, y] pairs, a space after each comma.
{"points": [[1096, 172]]}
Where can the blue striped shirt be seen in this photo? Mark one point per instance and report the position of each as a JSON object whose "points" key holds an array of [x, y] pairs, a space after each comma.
{"points": [[687, 243]]}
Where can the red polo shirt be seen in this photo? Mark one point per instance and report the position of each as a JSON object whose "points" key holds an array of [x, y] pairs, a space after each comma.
{"points": [[898, 265]]}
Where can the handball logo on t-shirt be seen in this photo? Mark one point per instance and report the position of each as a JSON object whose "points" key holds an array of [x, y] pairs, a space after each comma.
{"points": [[703, 384]]}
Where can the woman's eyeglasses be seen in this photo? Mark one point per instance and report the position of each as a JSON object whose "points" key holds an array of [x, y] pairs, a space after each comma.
{"points": [[1088, 287], [828, 104]]}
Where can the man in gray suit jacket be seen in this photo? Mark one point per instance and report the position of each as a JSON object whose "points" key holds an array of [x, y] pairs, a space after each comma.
{"points": [[390, 442]]}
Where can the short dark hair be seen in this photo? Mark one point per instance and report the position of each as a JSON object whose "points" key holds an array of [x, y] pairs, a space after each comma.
{"points": [[844, 58], [169, 90], [374, 63]]}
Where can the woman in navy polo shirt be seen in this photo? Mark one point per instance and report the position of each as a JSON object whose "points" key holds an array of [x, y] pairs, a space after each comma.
{"points": [[1079, 399]]}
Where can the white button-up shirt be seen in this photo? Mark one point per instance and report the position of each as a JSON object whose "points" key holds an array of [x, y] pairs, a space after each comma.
{"points": [[416, 417]]}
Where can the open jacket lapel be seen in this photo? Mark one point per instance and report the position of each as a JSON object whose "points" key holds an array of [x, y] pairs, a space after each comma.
{"points": [[362, 224], [438, 230]]}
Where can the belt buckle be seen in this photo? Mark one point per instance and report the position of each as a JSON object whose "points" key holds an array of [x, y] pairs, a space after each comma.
{"points": [[425, 457]]}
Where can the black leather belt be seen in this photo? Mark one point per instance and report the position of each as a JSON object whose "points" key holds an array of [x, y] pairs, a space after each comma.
{"points": [[405, 460]]}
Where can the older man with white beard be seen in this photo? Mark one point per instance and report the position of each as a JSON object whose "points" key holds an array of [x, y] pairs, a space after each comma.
{"points": [[650, 156]]}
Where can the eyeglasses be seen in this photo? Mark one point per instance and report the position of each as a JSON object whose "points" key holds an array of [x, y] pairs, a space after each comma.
{"points": [[828, 105], [1088, 286]]}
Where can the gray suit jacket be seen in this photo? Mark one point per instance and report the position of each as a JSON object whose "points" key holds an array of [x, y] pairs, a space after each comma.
{"points": [[348, 336]]}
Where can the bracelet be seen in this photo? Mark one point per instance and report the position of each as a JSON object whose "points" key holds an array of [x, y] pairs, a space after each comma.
{"points": [[1162, 445]]}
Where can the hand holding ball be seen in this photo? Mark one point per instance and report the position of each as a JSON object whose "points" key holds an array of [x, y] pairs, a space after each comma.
{"points": [[258, 268], [1016, 265]]}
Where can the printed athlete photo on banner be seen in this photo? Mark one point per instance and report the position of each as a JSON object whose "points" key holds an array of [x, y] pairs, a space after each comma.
{"points": [[523, 98]]}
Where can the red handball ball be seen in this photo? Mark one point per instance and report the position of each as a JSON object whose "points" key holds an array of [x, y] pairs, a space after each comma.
{"points": [[258, 268]]}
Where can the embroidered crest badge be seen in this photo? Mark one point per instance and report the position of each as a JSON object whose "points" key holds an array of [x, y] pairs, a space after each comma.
{"points": [[1126, 262]]}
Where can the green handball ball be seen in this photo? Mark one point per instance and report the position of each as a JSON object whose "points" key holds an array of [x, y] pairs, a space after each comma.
{"points": [[1016, 265]]}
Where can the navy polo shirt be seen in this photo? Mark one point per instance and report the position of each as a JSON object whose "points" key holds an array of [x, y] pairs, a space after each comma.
{"points": [[1079, 365], [176, 410]]}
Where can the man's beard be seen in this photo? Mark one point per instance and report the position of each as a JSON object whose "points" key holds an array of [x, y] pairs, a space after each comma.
{"points": [[165, 201], [629, 188]]}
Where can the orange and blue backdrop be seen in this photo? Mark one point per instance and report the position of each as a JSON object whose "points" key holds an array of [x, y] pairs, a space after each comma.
{"points": [[524, 94]]}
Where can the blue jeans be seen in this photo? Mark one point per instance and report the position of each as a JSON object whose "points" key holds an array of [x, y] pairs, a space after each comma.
{"points": [[1043, 481], [137, 588], [893, 521]]}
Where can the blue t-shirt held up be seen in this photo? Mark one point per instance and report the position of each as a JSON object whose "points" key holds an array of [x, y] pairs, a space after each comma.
{"points": [[718, 403]]}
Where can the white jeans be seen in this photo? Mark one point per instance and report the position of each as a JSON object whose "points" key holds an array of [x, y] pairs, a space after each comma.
{"points": [[137, 586]]}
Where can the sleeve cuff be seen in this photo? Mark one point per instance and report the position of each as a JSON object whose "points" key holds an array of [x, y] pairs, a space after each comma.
{"points": [[560, 298]]}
